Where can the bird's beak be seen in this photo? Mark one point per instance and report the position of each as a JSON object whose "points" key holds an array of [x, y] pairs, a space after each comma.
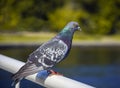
{"points": [[79, 29]]}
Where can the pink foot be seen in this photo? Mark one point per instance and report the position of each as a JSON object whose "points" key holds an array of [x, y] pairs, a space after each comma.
{"points": [[55, 73]]}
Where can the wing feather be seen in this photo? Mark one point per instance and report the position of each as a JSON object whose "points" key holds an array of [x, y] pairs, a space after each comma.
{"points": [[49, 53]]}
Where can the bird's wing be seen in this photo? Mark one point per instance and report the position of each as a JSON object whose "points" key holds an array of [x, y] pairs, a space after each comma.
{"points": [[49, 53]]}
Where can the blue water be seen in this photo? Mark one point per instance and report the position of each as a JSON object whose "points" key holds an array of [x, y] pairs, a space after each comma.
{"points": [[97, 76]]}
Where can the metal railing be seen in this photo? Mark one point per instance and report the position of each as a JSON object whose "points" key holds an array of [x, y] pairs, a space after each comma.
{"points": [[41, 78]]}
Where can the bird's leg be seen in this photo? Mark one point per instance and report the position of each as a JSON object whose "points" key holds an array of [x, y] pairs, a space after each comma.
{"points": [[52, 72]]}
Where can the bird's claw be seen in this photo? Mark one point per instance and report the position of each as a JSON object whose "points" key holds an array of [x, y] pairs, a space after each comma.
{"points": [[52, 72]]}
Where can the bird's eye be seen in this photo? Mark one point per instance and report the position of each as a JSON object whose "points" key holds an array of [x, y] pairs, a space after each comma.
{"points": [[75, 25]]}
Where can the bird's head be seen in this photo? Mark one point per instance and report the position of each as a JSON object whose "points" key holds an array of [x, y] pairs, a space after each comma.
{"points": [[74, 26], [69, 29]]}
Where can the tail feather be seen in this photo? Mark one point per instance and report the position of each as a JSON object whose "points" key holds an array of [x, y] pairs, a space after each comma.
{"points": [[27, 69], [16, 78], [16, 81]]}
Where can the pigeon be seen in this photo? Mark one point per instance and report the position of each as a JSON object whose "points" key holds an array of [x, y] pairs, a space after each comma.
{"points": [[48, 54]]}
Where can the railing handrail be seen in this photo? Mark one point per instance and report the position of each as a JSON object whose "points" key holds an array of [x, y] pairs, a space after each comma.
{"points": [[55, 81]]}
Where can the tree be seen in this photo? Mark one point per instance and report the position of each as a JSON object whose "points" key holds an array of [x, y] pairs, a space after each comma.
{"points": [[103, 15], [94, 16], [25, 15]]}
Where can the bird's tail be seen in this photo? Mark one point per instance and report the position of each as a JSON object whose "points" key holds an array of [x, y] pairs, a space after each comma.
{"points": [[15, 79], [27, 69], [18, 75]]}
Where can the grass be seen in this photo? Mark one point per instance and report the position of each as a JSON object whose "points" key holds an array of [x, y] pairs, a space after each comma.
{"points": [[39, 37], [25, 37]]}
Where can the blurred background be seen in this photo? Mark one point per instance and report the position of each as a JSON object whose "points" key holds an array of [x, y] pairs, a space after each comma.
{"points": [[94, 58]]}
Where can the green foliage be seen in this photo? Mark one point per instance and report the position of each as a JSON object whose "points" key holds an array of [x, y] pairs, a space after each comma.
{"points": [[94, 16], [61, 16], [18, 15], [102, 17]]}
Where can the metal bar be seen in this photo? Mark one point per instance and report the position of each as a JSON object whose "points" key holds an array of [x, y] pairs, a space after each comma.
{"points": [[50, 81]]}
